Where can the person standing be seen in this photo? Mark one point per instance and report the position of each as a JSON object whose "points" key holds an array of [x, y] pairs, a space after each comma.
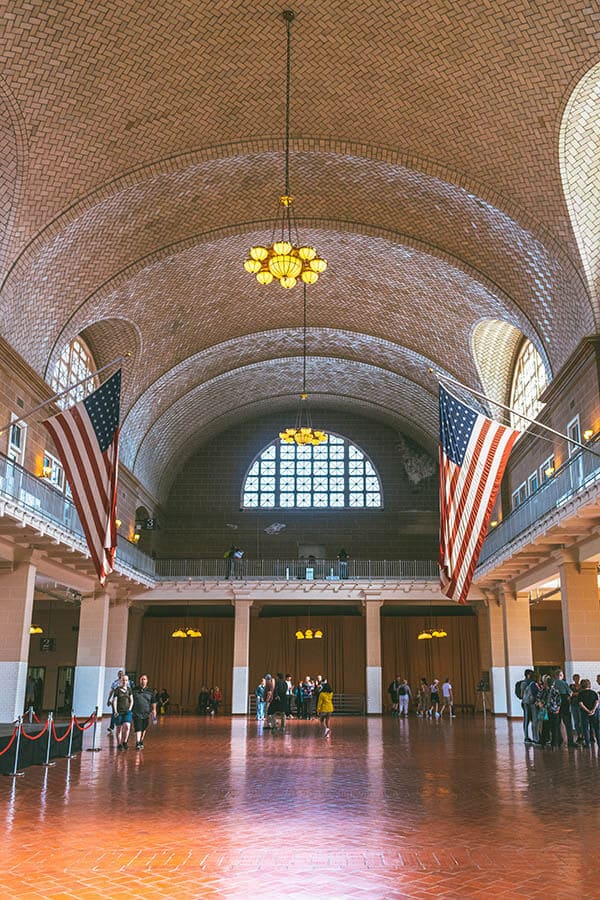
{"points": [[434, 709], [343, 563], [325, 707], [393, 692], [144, 706], [404, 695], [228, 555], [259, 693], [216, 697], [576, 712], [115, 684], [565, 706], [527, 691], [423, 698], [277, 705], [163, 701], [588, 703], [307, 695], [448, 698], [122, 703]]}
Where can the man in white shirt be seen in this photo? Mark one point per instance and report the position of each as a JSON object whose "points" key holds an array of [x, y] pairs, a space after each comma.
{"points": [[448, 699]]}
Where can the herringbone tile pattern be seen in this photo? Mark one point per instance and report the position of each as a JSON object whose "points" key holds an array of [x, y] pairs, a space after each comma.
{"points": [[384, 809]]}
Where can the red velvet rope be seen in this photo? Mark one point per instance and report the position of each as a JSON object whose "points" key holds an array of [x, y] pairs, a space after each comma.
{"points": [[65, 735], [11, 742], [87, 724], [35, 719], [37, 736]]}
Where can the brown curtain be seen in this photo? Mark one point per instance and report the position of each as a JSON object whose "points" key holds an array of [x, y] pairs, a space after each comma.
{"points": [[339, 655], [183, 666], [456, 656]]}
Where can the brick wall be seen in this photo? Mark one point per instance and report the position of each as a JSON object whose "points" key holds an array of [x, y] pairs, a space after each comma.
{"points": [[206, 495]]}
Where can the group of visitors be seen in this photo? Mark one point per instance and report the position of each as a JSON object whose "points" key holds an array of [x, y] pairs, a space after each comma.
{"points": [[127, 703], [275, 696], [430, 699], [552, 706], [209, 701]]}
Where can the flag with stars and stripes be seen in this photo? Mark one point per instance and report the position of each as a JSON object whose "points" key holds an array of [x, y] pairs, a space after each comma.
{"points": [[86, 437], [474, 451]]}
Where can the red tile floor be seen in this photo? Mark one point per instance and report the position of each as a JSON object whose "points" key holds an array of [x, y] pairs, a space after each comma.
{"points": [[382, 809]]}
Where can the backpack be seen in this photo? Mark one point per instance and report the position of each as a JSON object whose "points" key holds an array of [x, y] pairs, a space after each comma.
{"points": [[402, 691], [520, 688], [528, 693]]}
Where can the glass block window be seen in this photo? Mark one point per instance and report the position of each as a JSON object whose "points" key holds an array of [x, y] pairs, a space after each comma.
{"points": [[529, 380], [75, 362], [335, 475]]}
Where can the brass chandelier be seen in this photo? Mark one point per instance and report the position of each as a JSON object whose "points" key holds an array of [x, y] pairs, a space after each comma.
{"points": [[302, 432], [285, 260]]}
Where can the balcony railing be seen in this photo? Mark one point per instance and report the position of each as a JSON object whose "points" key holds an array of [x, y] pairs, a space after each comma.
{"points": [[37, 496], [575, 476], [296, 569]]}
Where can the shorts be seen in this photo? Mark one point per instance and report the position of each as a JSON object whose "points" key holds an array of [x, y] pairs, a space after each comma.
{"points": [[140, 723], [435, 698], [123, 718]]}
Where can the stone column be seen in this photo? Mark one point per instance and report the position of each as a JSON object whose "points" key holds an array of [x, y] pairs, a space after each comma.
{"points": [[116, 644], [373, 604], [90, 670], [241, 656], [517, 643], [16, 607], [581, 617], [491, 641], [134, 643]]}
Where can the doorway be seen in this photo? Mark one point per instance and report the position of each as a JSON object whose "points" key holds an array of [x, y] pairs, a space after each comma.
{"points": [[64, 689], [34, 691]]}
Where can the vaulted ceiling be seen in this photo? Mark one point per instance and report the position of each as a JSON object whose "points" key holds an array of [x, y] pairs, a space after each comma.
{"points": [[141, 154]]}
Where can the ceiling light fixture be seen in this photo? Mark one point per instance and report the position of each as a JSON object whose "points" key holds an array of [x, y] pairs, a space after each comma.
{"points": [[303, 432], [285, 259]]}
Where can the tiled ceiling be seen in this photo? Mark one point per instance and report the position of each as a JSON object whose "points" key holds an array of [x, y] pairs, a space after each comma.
{"points": [[141, 154]]}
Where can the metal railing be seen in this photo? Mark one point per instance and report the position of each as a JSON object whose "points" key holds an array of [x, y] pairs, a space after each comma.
{"points": [[296, 569], [37, 496], [344, 705], [575, 476]]}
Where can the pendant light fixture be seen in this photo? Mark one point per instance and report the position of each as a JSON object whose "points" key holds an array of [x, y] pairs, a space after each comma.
{"points": [[285, 260], [302, 432], [309, 634], [187, 631]]}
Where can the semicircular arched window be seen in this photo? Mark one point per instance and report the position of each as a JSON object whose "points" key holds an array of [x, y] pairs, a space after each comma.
{"points": [[528, 382], [334, 475], [74, 364]]}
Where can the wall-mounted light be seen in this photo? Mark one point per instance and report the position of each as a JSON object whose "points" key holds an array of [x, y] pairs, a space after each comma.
{"points": [[587, 434], [136, 537], [118, 523], [46, 472], [36, 629], [494, 524], [549, 472]]}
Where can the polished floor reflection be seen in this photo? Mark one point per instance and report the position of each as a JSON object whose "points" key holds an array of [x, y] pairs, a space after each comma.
{"points": [[382, 809]]}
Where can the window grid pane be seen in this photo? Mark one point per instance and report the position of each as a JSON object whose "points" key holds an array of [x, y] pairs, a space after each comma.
{"points": [[333, 475]]}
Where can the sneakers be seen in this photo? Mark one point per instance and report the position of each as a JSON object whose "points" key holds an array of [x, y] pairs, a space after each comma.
{"points": [[327, 732], [124, 745], [437, 715], [139, 745], [120, 747], [452, 716], [110, 730]]}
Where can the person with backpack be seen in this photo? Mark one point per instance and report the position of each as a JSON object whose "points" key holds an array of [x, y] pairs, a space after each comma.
{"points": [[393, 692], [520, 688], [404, 695], [531, 707], [259, 693]]}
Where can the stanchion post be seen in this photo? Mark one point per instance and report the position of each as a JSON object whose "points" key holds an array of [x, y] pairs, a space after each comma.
{"points": [[93, 748], [15, 772], [70, 755], [30, 714], [47, 764]]}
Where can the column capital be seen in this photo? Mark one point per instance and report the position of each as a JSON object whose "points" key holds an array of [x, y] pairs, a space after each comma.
{"points": [[242, 599], [371, 598]]}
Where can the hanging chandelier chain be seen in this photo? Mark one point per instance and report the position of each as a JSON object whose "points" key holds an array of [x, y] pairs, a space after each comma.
{"points": [[304, 347], [288, 15]]}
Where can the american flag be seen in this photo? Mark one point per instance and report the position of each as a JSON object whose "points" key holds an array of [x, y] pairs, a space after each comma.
{"points": [[474, 451], [86, 437]]}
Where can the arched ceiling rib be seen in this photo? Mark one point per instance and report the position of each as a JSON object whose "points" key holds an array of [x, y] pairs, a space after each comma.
{"points": [[208, 204], [162, 451]]}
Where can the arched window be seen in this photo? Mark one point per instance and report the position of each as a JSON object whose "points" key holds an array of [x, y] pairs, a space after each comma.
{"points": [[333, 475], [75, 362], [529, 380]]}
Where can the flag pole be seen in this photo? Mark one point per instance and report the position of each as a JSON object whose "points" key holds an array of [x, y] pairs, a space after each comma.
{"points": [[44, 403], [559, 434]]}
